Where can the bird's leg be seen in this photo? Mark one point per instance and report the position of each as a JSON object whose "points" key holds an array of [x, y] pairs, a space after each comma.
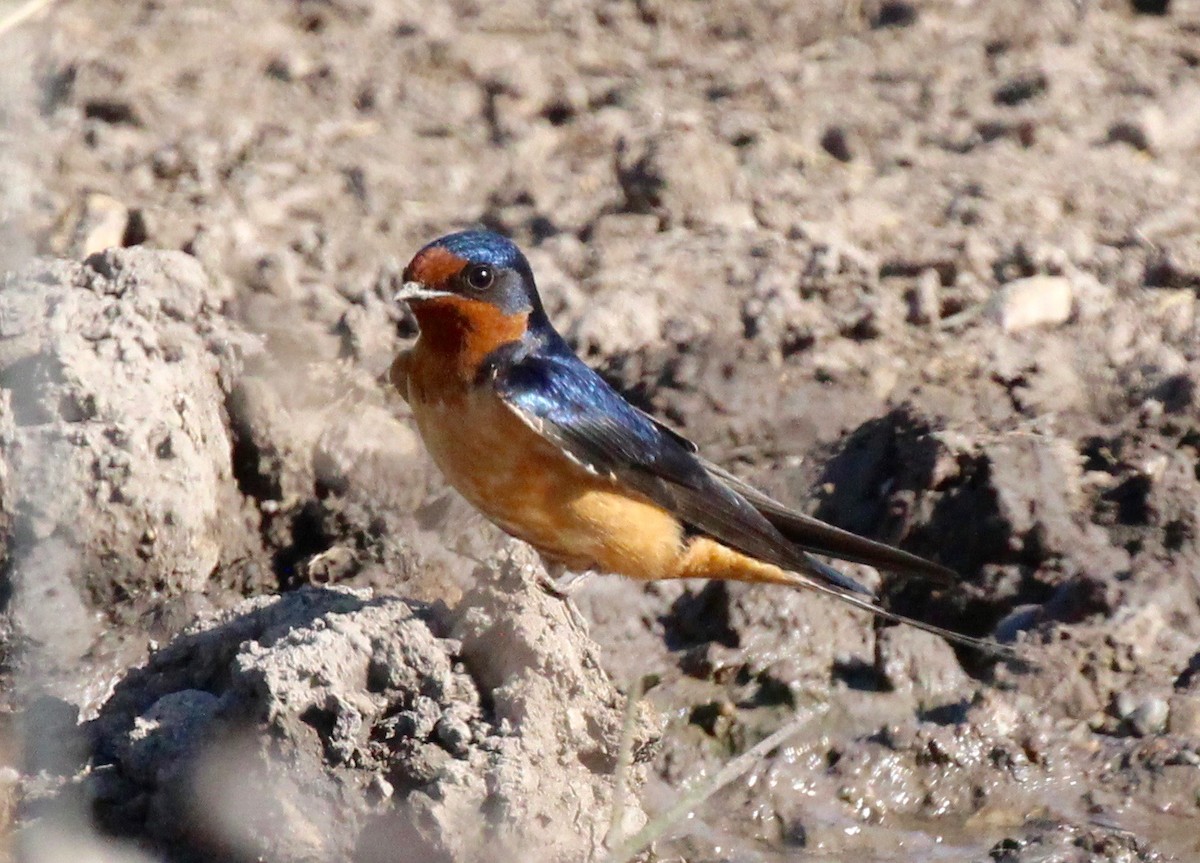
{"points": [[562, 582], [569, 582]]}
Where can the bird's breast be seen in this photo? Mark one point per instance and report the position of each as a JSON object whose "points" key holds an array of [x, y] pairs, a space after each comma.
{"points": [[532, 489]]}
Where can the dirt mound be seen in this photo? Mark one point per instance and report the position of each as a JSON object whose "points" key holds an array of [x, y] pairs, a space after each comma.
{"points": [[331, 723], [114, 374]]}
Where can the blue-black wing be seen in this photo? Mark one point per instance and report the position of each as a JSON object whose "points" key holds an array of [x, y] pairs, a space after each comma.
{"points": [[569, 404]]}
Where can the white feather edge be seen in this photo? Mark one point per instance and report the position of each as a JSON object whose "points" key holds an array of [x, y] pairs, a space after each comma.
{"points": [[539, 428]]}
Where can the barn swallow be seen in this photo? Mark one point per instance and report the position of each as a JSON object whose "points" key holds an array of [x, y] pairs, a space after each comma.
{"points": [[547, 450]]}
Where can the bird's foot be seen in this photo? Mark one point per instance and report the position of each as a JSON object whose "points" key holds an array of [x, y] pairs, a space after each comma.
{"points": [[566, 583], [561, 583]]}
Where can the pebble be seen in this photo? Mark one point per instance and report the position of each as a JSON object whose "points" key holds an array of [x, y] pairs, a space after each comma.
{"points": [[1021, 618], [1033, 302], [94, 223], [924, 300], [1145, 717], [454, 734], [380, 788]]}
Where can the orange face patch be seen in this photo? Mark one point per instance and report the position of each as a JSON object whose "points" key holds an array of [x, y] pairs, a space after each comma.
{"points": [[434, 267], [458, 333]]}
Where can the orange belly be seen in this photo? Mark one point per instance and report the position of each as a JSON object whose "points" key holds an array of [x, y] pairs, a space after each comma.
{"points": [[529, 488]]}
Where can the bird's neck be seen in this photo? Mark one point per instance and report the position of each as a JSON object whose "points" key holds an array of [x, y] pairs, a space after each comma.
{"points": [[457, 334]]}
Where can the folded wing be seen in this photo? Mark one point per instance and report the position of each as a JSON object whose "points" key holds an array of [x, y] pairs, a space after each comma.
{"points": [[574, 408], [569, 404]]}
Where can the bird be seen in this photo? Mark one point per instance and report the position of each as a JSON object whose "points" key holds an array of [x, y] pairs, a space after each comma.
{"points": [[551, 453]]}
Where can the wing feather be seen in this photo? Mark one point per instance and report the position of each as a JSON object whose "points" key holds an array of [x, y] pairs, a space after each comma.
{"points": [[567, 403], [814, 535]]}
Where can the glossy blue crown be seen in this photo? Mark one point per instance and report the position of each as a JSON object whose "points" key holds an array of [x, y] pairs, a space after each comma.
{"points": [[482, 247]]}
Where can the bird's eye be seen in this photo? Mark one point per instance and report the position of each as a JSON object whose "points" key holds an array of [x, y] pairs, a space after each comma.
{"points": [[480, 277]]}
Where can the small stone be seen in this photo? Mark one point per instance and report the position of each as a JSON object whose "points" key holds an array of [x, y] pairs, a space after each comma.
{"points": [[454, 735], [1021, 618], [1033, 302], [882, 381], [1129, 132], [329, 566], [836, 143], [924, 300], [1020, 89], [1152, 130], [993, 714], [1149, 717], [1123, 705], [380, 788], [909, 660], [93, 224], [894, 14]]}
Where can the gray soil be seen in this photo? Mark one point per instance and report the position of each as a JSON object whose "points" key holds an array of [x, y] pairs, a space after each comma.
{"points": [[930, 271]]}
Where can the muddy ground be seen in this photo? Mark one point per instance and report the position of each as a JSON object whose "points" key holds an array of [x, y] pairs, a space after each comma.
{"points": [[929, 270]]}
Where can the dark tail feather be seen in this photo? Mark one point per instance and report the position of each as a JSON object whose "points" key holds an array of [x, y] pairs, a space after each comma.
{"points": [[814, 535], [818, 537]]}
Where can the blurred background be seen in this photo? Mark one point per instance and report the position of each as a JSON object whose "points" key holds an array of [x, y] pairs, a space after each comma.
{"points": [[927, 269]]}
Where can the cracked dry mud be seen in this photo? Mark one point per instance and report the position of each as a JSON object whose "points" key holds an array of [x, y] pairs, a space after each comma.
{"points": [[928, 270]]}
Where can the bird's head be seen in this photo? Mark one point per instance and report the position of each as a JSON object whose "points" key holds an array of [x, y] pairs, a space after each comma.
{"points": [[466, 272]]}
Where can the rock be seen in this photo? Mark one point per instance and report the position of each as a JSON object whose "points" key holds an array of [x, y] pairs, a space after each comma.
{"points": [[924, 300], [1158, 129], [1057, 841], [1021, 618], [1143, 716], [894, 13], [836, 142], [119, 486], [1021, 88], [909, 660], [275, 728], [1131, 132], [1149, 716], [1034, 302], [94, 223]]}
